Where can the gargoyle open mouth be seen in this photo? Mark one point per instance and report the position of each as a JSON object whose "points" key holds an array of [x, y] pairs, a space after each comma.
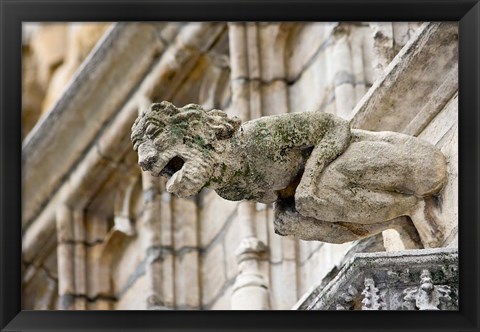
{"points": [[173, 166]]}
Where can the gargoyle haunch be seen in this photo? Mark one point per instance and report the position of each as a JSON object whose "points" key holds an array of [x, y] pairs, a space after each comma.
{"points": [[328, 182]]}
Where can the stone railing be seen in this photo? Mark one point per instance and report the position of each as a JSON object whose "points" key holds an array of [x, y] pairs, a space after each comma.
{"points": [[404, 280]]}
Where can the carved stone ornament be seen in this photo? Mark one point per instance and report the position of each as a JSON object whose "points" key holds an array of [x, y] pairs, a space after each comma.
{"points": [[424, 279], [346, 299], [427, 296], [329, 183], [371, 298]]}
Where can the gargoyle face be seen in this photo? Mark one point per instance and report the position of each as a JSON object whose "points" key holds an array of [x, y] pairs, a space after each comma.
{"points": [[162, 150]]}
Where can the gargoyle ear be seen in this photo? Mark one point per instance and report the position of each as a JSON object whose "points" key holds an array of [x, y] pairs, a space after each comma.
{"points": [[226, 127], [165, 108]]}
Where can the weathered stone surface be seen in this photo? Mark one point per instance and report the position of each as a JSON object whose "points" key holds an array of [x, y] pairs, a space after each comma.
{"points": [[404, 280], [85, 183], [296, 67], [42, 292], [215, 212], [33, 90], [49, 47], [300, 94], [250, 290], [428, 296], [223, 302], [187, 285], [213, 272], [185, 227], [96, 282], [328, 183], [317, 36], [443, 132], [129, 266], [323, 262], [84, 97], [424, 63], [81, 39], [168, 72], [135, 298], [230, 243]]}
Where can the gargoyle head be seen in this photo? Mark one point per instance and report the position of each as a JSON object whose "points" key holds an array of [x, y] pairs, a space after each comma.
{"points": [[181, 143]]}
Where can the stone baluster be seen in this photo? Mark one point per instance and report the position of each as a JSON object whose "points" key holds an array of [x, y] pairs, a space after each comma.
{"points": [[250, 290]]}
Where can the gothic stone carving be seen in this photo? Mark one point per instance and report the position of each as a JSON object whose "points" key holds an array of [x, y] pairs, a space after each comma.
{"points": [[346, 299], [329, 182], [424, 279], [371, 297], [427, 296]]}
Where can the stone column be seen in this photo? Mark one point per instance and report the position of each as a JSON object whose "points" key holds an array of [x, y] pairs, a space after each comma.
{"points": [[167, 275], [239, 70], [357, 43], [186, 250], [71, 256], [250, 290], [343, 78], [151, 234], [156, 236], [80, 259], [65, 250]]}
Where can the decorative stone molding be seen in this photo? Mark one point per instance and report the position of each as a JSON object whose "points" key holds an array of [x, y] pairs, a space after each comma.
{"points": [[405, 280]]}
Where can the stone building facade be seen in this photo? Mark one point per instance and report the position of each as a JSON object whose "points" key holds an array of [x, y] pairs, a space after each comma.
{"points": [[98, 233]]}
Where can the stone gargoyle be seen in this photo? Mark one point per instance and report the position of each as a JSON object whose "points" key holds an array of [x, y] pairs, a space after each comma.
{"points": [[327, 182]]}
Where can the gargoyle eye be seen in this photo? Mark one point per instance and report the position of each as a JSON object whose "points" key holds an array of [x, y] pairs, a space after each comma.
{"points": [[151, 130]]}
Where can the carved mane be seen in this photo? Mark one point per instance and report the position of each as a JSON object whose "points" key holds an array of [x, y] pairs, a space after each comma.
{"points": [[213, 125]]}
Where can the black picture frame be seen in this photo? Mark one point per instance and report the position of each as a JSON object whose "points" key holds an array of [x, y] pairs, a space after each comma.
{"points": [[14, 12]]}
